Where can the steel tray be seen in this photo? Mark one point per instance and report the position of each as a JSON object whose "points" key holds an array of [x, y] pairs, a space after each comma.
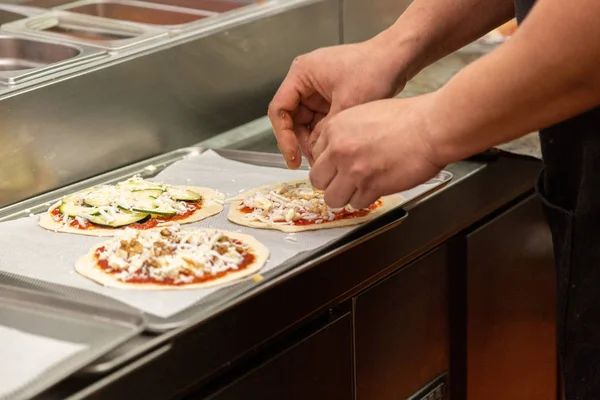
{"points": [[100, 329], [172, 18], [83, 29], [23, 58], [227, 295]]}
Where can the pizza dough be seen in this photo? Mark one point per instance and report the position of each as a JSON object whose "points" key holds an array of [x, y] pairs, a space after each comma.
{"points": [[211, 205], [88, 266], [243, 218]]}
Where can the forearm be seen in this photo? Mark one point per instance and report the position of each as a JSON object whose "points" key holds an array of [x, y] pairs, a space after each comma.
{"points": [[541, 76], [431, 29]]}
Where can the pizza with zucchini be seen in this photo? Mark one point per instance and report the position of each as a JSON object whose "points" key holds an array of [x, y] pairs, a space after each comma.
{"points": [[170, 258], [297, 206], [135, 203]]}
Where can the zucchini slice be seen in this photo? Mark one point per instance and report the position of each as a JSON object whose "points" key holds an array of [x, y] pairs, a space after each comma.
{"points": [[135, 186], [97, 201], [73, 210], [121, 219], [183, 194], [147, 194], [164, 211]]}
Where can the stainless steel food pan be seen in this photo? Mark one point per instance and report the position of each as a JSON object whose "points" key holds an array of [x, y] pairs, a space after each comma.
{"points": [[87, 30], [23, 58], [131, 11]]}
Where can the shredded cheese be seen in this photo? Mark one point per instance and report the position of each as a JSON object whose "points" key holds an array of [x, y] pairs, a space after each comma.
{"points": [[287, 203], [171, 253], [126, 197]]}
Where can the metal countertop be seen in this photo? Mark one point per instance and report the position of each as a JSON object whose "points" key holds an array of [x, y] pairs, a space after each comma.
{"points": [[476, 191]]}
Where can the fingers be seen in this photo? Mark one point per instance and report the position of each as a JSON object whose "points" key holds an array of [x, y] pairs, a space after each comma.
{"points": [[317, 142], [282, 109], [339, 186], [340, 191], [294, 104], [302, 115], [316, 103], [322, 172], [303, 134], [343, 182], [316, 119], [283, 126], [363, 198]]}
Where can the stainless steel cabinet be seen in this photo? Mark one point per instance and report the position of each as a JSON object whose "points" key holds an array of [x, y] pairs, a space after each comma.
{"points": [[511, 307], [401, 330], [318, 367]]}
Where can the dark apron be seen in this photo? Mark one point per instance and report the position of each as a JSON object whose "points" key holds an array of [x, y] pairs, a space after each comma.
{"points": [[569, 187]]}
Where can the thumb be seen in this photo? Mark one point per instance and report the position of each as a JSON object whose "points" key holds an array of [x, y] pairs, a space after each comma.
{"points": [[319, 121], [315, 136]]}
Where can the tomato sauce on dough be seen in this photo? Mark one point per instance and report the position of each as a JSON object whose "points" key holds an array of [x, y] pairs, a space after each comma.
{"points": [[103, 264], [152, 222], [338, 215]]}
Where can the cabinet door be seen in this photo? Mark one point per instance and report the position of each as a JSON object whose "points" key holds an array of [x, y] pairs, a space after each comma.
{"points": [[401, 328], [511, 307], [319, 367]]}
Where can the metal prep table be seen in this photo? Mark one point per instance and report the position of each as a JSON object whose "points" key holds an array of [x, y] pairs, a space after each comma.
{"points": [[386, 316], [422, 260]]}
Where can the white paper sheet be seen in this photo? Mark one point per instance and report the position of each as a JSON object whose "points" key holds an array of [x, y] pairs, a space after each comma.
{"points": [[28, 250], [24, 356], [528, 145]]}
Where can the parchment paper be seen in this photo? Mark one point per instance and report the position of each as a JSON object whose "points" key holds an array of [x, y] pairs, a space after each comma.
{"points": [[28, 250], [24, 356], [528, 145]]}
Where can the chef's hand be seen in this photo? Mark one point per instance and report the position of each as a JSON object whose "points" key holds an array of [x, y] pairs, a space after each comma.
{"points": [[322, 83], [374, 149]]}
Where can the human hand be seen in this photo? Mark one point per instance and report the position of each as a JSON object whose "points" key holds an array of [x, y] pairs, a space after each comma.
{"points": [[373, 150], [324, 82]]}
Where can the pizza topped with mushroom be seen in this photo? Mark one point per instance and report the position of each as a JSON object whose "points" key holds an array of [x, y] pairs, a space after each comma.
{"points": [[296, 206], [173, 258]]}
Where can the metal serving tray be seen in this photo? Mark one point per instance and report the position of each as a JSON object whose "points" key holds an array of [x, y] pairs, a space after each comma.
{"points": [[226, 296], [100, 329], [83, 29], [172, 18], [23, 58]]}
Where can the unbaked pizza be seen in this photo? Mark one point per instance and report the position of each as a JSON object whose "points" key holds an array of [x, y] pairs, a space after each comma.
{"points": [[173, 258], [297, 206], [135, 203]]}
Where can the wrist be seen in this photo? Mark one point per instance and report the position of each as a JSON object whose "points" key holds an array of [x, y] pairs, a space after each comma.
{"points": [[400, 52], [445, 139]]}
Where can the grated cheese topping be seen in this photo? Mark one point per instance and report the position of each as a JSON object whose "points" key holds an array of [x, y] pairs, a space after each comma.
{"points": [[133, 195], [288, 203], [172, 255]]}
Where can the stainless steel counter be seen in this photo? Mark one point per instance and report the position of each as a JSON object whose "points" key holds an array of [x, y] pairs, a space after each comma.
{"points": [[476, 191]]}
